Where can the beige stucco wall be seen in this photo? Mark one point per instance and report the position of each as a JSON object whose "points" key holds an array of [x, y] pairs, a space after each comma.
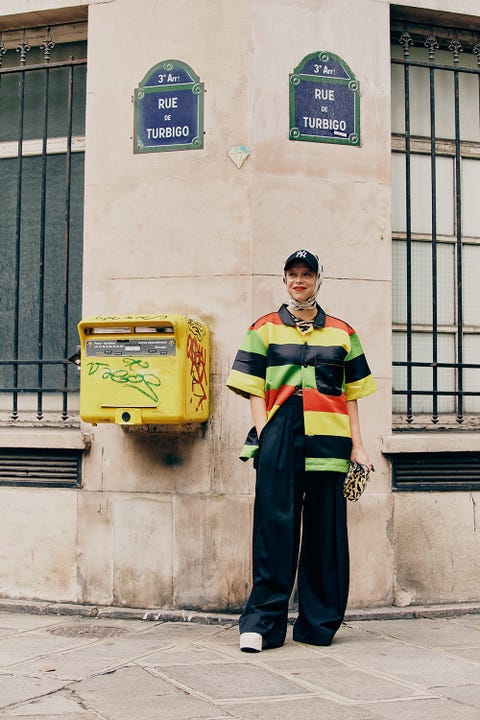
{"points": [[163, 519], [216, 236], [437, 548]]}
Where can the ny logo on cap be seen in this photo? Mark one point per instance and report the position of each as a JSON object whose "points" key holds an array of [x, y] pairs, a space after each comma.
{"points": [[301, 254]]}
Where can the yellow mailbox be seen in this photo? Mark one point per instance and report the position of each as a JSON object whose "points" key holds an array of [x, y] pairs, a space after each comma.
{"points": [[143, 369]]}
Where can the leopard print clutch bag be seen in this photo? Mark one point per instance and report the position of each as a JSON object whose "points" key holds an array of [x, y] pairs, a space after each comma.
{"points": [[355, 481]]}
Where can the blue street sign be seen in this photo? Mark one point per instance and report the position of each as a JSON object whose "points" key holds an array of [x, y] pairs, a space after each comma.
{"points": [[169, 109], [324, 101]]}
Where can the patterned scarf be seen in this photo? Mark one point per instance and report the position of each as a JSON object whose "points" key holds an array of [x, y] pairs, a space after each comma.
{"points": [[311, 301]]}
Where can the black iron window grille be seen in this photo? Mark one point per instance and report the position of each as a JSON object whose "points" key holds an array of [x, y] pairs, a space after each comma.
{"points": [[436, 225], [42, 128]]}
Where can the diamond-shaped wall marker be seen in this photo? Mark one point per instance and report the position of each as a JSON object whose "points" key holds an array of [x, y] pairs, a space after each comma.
{"points": [[238, 154]]}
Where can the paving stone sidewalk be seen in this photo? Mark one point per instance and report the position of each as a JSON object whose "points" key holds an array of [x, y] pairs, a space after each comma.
{"points": [[90, 668]]}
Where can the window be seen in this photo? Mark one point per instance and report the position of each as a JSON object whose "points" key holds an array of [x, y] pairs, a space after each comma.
{"points": [[436, 224], [42, 127]]}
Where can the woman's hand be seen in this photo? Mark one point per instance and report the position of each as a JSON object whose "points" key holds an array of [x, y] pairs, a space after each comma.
{"points": [[359, 455]]}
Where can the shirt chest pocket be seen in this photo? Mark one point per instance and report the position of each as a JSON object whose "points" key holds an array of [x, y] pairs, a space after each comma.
{"points": [[329, 376]]}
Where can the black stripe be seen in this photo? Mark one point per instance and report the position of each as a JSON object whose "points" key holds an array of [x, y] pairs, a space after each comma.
{"points": [[250, 363], [252, 437], [356, 369], [328, 446], [296, 354]]}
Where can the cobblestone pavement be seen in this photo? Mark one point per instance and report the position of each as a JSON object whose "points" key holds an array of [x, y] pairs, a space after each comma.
{"points": [[94, 668]]}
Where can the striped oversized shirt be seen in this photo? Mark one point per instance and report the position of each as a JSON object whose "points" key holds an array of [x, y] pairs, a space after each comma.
{"points": [[326, 362]]}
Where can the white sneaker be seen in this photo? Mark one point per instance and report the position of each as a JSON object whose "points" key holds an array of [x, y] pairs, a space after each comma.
{"points": [[251, 642]]}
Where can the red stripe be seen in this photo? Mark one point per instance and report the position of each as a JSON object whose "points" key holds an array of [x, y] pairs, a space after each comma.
{"points": [[337, 323], [278, 395], [272, 318], [314, 401]]}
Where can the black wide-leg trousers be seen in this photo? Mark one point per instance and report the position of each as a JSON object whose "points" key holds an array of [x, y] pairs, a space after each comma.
{"points": [[299, 524]]}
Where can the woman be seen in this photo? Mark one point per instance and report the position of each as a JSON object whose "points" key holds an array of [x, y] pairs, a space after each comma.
{"points": [[303, 372]]}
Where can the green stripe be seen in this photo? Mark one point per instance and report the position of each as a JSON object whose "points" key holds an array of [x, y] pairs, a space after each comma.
{"points": [[311, 464], [279, 375], [248, 451], [252, 342], [327, 465], [355, 348]]}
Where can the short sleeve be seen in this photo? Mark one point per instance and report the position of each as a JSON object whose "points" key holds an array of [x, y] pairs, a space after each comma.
{"points": [[247, 376], [359, 380]]}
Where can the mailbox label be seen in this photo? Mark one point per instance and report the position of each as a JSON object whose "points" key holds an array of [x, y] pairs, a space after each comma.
{"points": [[130, 348]]}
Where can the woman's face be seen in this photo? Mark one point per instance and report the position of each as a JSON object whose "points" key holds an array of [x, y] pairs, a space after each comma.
{"points": [[301, 281]]}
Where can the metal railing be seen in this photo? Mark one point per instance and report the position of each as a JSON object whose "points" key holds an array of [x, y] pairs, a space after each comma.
{"points": [[433, 39], [27, 370]]}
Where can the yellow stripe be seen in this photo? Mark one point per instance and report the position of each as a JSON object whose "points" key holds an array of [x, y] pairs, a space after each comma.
{"points": [[279, 334], [335, 336], [246, 384], [360, 388], [323, 423], [272, 412]]}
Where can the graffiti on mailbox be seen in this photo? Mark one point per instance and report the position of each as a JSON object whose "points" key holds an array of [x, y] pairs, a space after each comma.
{"points": [[196, 328], [130, 376], [198, 365]]}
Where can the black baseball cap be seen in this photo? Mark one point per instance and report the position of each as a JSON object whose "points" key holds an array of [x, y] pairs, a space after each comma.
{"points": [[302, 256]]}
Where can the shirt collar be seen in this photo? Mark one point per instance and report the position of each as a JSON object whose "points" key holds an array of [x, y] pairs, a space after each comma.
{"points": [[287, 319]]}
